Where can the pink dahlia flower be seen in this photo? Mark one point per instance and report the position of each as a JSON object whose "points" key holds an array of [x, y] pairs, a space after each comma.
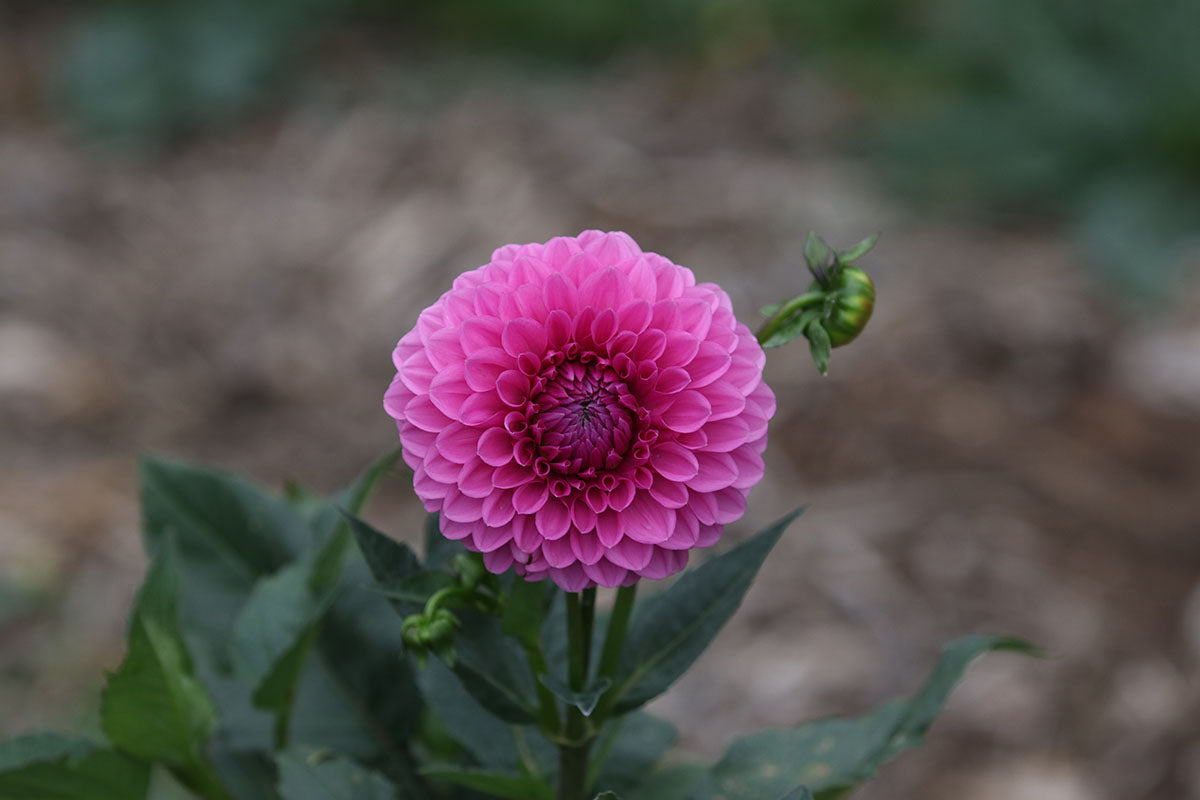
{"points": [[581, 410]]}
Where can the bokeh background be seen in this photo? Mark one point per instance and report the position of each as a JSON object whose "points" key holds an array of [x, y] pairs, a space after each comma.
{"points": [[216, 218]]}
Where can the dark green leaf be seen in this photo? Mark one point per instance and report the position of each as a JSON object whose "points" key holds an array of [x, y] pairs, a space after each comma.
{"points": [[832, 756], [358, 695], [857, 251], [246, 775], [799, 793], [321, 775], [389, 560], [585, 699], [607, 796], [228, 533], [524, 612], [409, 595], [628, 748], [493, 669], [488, 739], [492, 782], [278, 625], [46, 766], [153, 707], [670, 630], [819, 345], [671, 783], [793, 328]]}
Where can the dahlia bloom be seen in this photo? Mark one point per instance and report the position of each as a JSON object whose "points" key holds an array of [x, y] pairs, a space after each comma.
{"points": [[581, 410]]}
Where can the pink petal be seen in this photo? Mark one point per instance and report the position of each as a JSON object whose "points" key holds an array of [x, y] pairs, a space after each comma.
{"points": [[495, 447], [484, 367], [457, 442], [475, 480], [498, 508], [710, 363], [587, 547], [680, 349], [605, 573], [558, 552], [672, 380], [571, 578], [609, 528], [553, 519], [634, 316], [425, 415], [608, 288], [511, 475], [674, 461], [724, 400], [488, 538], [458, 507], [560, 293], [717, 470], [648, 521], [483, 410], [530, 497], [440, 468], [725, 434], [688, 411], [630, 554], [664, 563], [478, 333], [750, 467], [523, 335], [497, 561], [731, 505], [449, 390], [669, 493], [513, 388]]}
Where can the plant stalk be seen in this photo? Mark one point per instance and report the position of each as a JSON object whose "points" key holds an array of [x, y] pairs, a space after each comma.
{"points": [[573, 754], [614, 640], [772, 326]]}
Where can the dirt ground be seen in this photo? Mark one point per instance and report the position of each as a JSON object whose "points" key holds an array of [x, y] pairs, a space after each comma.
{"points": [[1001, 451]]}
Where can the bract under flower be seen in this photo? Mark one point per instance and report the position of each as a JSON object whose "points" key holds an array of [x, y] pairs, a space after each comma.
{"points": [[581, 410]]}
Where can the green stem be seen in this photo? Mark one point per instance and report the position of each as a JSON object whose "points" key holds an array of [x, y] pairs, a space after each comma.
{"points": [[573, 753], [785, 311], [614, 640], [546, 705]]}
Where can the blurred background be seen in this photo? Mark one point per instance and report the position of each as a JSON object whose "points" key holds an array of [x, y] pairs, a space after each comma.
{"points": [[216, 218]]}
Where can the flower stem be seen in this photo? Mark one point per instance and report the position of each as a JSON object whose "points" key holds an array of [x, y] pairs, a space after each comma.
{"points": [[785, 311], [573, 753], [618, 623], [614, 640], [546, 705]]}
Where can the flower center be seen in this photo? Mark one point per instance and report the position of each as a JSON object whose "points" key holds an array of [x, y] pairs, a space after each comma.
{"points": [[584, 418]]}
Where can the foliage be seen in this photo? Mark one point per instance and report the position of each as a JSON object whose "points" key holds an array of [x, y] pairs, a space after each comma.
{"points": [[266, 661]]}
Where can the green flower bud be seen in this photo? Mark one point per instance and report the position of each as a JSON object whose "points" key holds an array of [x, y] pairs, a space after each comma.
{"points": [[849, 304], [438, 630]]}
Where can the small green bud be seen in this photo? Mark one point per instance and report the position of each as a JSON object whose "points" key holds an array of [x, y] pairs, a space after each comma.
{"points": [[439, 628], [849, 305]]}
